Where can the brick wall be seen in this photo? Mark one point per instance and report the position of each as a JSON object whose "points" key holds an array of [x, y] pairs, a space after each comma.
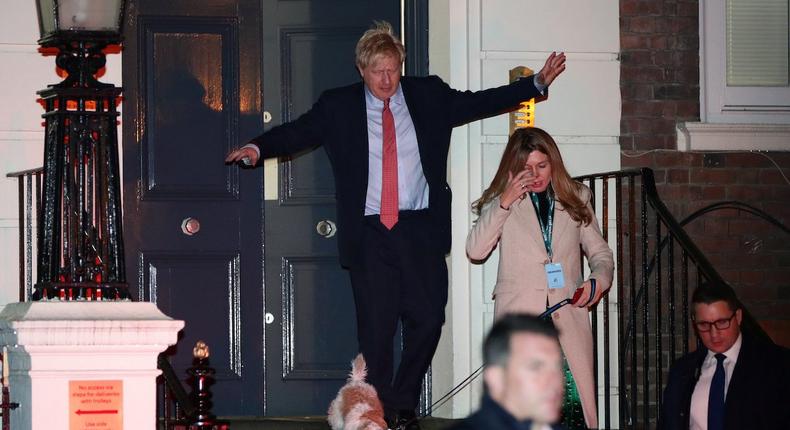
{"points": [[659, 72], [660, 87]]}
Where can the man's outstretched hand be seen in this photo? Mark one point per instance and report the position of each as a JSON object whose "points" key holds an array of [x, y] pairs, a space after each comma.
{"points": [[555, 65], [242, 153]]}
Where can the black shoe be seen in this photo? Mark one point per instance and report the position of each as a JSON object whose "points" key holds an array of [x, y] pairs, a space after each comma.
{"points": [[405, 420], [391, 417]]}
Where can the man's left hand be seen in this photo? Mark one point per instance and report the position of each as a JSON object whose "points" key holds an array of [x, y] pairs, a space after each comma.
{"points": [[555, 65]]}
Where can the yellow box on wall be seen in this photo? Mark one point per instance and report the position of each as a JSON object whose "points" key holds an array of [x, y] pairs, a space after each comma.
{"points": [[524, 116]]}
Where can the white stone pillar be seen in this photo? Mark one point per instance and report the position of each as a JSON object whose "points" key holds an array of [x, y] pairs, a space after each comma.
{"points": [[56, 348]]}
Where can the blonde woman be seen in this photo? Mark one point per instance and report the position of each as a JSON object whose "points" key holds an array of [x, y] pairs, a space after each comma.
{"points": [[542, 222]]}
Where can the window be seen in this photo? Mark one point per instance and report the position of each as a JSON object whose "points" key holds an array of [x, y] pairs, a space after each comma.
{"points": [[744, 61], [744, 79]]}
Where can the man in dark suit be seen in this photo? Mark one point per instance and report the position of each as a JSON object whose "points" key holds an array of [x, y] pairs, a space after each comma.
{"points": [[387, 139], [737, 380], [523, 375]]}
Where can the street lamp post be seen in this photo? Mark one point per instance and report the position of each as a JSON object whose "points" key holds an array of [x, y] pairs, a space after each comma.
{"points": [[80, 237]]}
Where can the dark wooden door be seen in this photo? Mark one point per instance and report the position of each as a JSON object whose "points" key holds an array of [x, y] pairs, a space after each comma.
{"points": [[308, 47], [192, 91]]}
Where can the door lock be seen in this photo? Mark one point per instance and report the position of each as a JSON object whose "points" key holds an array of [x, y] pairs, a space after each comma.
{"points": [[326, 228]]}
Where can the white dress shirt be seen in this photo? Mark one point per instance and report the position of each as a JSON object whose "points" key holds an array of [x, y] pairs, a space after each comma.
{"points": [[698, 418], [412, 186]]}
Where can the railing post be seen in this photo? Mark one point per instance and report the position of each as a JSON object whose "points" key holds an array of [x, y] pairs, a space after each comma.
{"points": [[21, 239], [7, 405], [201, 380]]}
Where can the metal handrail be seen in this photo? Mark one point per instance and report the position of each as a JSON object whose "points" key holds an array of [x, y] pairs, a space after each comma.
{"points": [[682, 237], [749, 323], [26, 224], [27, 172], [173, 384], [651, 321]]}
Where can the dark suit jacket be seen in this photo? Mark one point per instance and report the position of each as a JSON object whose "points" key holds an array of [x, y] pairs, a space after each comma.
{"points": [[758, 396], [338, 121], [491, 416]]}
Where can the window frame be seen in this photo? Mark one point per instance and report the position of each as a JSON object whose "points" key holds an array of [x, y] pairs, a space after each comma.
{"points": [[720, 103]]}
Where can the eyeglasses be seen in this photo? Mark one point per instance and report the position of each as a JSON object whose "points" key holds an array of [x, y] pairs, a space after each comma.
{"points": [[721, 324]]}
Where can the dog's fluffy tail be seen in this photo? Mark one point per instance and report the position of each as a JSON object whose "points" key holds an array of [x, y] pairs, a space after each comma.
{"points": [[359, 370]]}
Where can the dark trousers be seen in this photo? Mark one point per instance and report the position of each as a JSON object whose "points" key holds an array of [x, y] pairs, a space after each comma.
{"points": [[403, 277]]}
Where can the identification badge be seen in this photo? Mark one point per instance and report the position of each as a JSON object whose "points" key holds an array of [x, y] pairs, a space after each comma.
{"points": [[554, 275]]}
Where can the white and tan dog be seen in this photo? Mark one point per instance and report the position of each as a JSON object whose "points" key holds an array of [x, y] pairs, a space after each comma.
{"points": [[357, 406]]}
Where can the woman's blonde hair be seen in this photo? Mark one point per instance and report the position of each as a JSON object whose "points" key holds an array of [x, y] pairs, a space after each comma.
{"points": [[379, 40], [519, 146]]}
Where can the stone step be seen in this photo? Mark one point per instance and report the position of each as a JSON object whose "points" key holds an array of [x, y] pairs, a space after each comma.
{"points": [[311, 423]]}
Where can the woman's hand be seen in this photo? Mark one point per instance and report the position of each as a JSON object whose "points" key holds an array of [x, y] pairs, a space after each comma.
{"points": [[584, 300], [517, 187]]}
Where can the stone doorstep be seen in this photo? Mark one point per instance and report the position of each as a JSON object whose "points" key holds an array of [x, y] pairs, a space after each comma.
{"points": [[311, 423]]}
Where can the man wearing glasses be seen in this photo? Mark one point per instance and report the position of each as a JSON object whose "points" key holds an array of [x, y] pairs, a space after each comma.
{"points": [[735, 381]]}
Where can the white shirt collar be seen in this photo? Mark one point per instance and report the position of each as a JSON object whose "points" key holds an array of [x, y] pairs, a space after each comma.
{"points": [[732, 353], [396, 98]]}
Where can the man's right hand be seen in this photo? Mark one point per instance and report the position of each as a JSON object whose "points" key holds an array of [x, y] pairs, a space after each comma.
{"points": [[555, 65], [242, 153]]}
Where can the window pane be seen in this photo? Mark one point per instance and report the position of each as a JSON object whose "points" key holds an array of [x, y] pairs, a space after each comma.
{"points": [[757, 43]]}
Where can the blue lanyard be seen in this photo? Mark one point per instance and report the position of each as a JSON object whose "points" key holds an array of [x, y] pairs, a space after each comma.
{"points": [[546, 229]]}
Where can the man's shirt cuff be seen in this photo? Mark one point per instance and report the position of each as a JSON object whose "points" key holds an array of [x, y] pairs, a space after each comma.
{"points": [[541, 88], [255, 147]]}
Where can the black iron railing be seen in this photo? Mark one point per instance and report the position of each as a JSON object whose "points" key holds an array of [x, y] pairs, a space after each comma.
{"points": [[182, 411], [175, 404], [647, 312], [29, 199]]}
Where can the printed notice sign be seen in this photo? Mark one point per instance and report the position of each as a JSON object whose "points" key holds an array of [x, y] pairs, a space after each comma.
{"points": [[95, 405]]}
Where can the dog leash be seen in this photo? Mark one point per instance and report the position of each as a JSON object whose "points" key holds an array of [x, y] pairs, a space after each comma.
{"points": [[469, 379]]}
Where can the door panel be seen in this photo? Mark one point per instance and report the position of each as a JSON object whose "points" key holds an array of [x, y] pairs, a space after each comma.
{"points": [[309, 350], [174, 279], [184, 108]]}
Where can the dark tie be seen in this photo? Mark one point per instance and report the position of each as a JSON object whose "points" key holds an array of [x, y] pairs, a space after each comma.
{"points": [[716, 396], [388, 213]]}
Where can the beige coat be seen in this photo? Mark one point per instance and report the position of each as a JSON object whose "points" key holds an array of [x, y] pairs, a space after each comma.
{"points": [[521, 281]]}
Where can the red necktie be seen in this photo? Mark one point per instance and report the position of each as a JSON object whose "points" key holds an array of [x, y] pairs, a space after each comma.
{"points": [[389, 169]]}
